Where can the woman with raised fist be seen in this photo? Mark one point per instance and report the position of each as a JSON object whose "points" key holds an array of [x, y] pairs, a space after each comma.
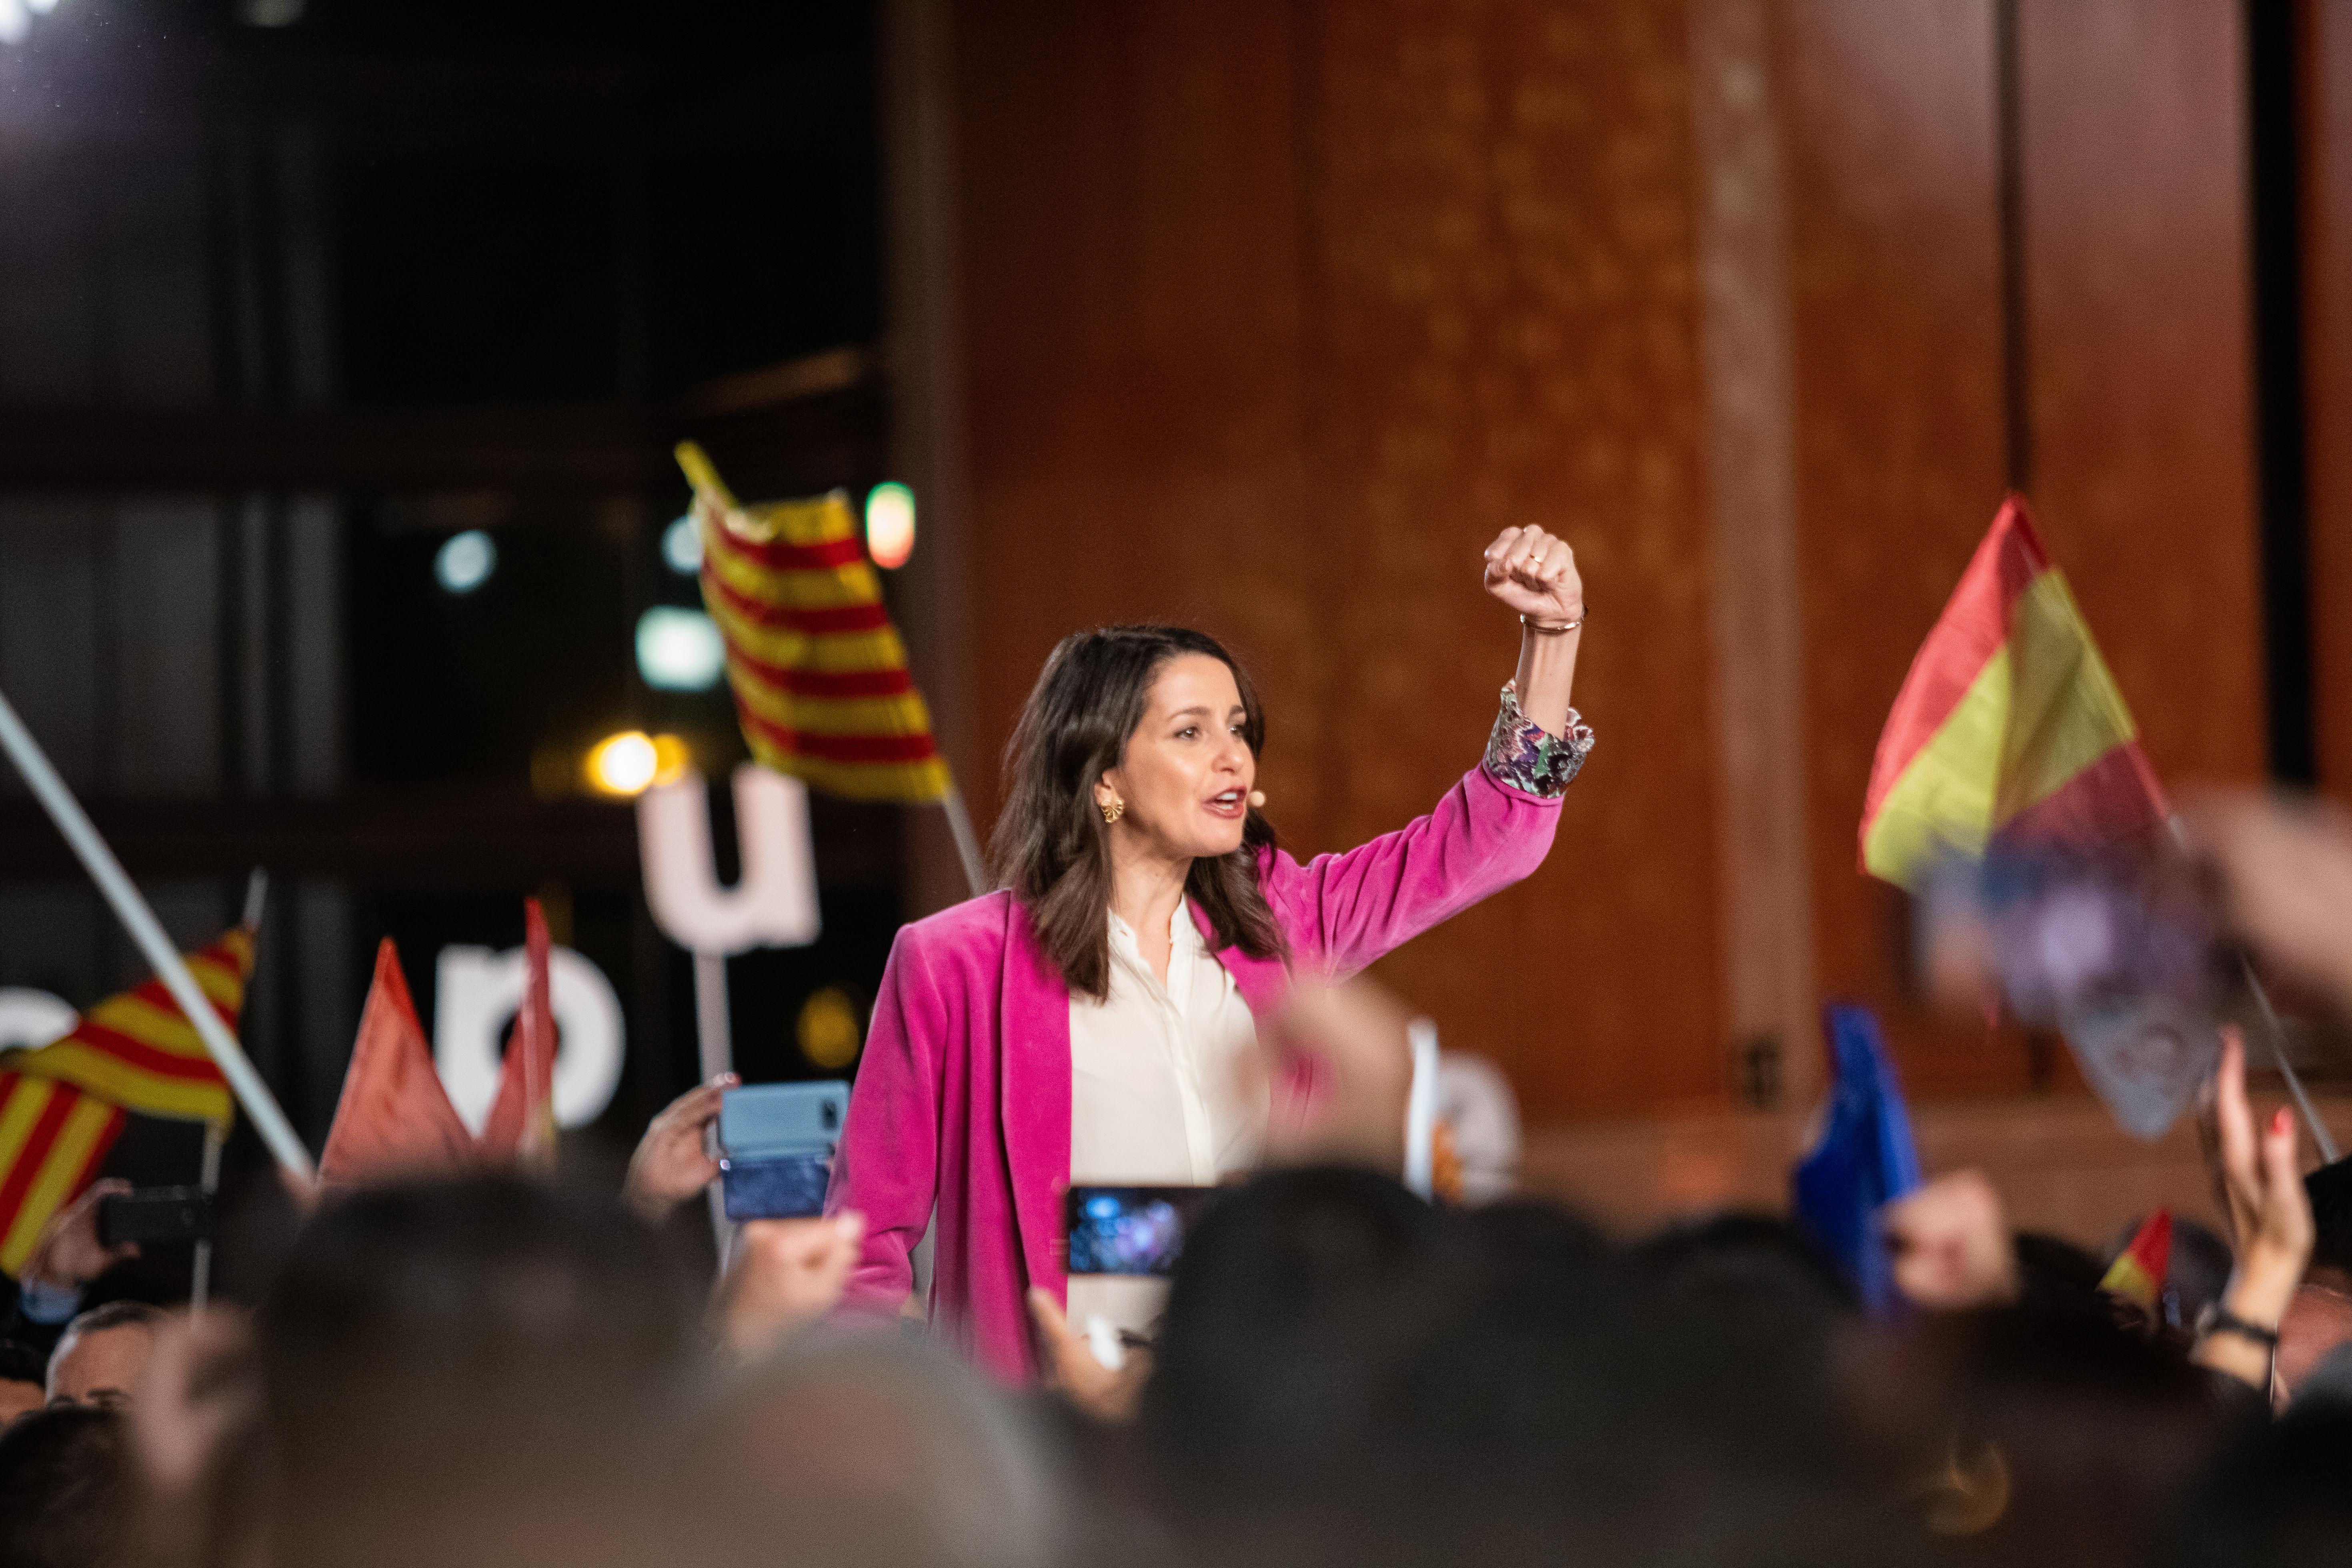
{"points": [[1084, 1023]]}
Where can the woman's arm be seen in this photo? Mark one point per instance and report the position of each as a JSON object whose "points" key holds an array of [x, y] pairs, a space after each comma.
{"points": [[1535, 575], [887, 1166], [1343, 911], [2270, 1217]]}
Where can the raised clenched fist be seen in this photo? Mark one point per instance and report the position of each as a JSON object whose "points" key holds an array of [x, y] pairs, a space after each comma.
{"points": [[1534, 574]]}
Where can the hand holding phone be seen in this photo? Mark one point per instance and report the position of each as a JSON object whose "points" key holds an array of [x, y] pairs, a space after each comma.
{"points": [[155, 1214], [776, 1142], [1128, 1230]]}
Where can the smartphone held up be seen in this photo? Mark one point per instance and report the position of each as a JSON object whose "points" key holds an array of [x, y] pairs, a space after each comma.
{"points": [[776, 1144], [2121, 952]]}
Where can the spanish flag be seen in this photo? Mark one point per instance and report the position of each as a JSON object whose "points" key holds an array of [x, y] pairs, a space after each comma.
{"points": [[2008, 724], [2138, 1273], [819, 673], [62, 1106]]}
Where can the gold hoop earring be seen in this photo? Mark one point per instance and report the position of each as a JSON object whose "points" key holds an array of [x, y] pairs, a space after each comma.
{"points": [[1112, 809]]}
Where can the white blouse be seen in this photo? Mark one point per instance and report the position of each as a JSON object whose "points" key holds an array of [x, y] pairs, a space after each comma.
{"points": [[1158, 1094]]}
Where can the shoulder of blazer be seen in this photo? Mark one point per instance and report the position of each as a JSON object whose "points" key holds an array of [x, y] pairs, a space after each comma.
{"points": [[976, 925]]}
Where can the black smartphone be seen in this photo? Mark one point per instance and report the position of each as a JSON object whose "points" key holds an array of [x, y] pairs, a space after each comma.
{"points": [[775, 1148], [1129, 1230], [154, 1215]]}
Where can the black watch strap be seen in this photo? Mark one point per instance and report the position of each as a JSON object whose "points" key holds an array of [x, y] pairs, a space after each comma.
{"points": [[2219, 1320]]}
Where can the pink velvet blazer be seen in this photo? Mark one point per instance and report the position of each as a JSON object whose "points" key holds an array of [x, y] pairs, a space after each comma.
{"points": [[963, 1096]]}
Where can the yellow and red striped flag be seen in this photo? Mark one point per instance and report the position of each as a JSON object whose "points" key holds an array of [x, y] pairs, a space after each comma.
{"points": [[2138, 1271], [819, 673], [61, 1105], [53, 1138], [2009, 724], [138, 1051]]}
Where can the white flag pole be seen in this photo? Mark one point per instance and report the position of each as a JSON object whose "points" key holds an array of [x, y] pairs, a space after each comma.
{"points": [[200, 1289], [714, 1034], [148, 934], [967, 842]]}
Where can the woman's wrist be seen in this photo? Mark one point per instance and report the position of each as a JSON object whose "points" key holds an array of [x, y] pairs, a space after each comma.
{"points": [[1566, 624], [2264, 1287]]}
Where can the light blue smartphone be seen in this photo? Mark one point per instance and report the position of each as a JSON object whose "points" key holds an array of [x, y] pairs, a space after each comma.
{"points": [[775, 1147]]}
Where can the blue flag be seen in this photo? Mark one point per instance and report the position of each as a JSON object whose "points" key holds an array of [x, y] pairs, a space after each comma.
{"points": [[1865, 1159]]}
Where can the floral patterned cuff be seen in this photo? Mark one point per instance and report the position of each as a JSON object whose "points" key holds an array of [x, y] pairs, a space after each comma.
{"points": [[1522, 755]]}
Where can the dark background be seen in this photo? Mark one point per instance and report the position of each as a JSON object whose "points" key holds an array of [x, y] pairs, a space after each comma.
{"points": [[328, 292]]}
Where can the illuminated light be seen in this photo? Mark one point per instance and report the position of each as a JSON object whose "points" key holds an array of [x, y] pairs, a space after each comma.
{"points": [[890, 524], [40, 8], [623, 764], [633, 762], [679, 650], [682, 546], [465, 561], [15, 22], [828, 1029], [672, 757]]}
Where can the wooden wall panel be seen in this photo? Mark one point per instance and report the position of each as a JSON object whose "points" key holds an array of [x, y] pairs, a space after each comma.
{"points": [[2134, 118], [1501, 283], [2327, 377], [1129, 228], [1893, 180], [1274, 316]]}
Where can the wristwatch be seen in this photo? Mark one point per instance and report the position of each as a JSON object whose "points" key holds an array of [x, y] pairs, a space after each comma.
{"points": [[2219, 1320]]}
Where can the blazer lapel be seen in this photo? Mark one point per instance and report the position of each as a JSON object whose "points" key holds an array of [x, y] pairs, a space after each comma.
{"points": [[1033, 1083], [1263, 982]]}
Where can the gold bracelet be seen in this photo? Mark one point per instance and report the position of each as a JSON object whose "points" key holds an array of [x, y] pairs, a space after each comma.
{"points": [[1559, 631]]}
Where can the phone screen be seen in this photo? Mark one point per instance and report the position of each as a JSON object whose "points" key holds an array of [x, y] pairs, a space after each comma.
{"points": [[776, 1142], [1129, 1230], [2118, 951], [791, 1187], [2062, 936]]}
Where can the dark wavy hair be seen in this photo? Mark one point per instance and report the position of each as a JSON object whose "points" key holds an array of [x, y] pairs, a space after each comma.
{"points": [[1051, 846]]}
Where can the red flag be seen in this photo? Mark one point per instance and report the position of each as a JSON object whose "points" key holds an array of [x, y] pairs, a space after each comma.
{"points": [[521, 1126], [2138, 1271], [394, 1119], [2008, 724]]}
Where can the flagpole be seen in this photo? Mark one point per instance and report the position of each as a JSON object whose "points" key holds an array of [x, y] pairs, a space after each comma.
{"points": [[715, 1038], [2275, 1032], [147, 933], [2287, 1069], [967, 842], [257, 898], [216, 1135]]}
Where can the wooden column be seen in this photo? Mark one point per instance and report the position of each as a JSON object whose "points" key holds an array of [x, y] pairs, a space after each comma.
{"points": [[1754, 599]]}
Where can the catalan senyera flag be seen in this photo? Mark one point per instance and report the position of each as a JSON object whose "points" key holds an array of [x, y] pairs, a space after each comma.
{"points": [[819, 673], [53, 1138], [2008, 724], [62, 1105], [2138, 1273]]}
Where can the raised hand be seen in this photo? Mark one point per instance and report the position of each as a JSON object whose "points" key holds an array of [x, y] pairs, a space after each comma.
{"points": [[1338, 1069], [69, 1255], [2284, 869], [1534, 573], [1071, 1367], [671, 1163], [785, 1274], [1951, 1245], [2270, 1212]]}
